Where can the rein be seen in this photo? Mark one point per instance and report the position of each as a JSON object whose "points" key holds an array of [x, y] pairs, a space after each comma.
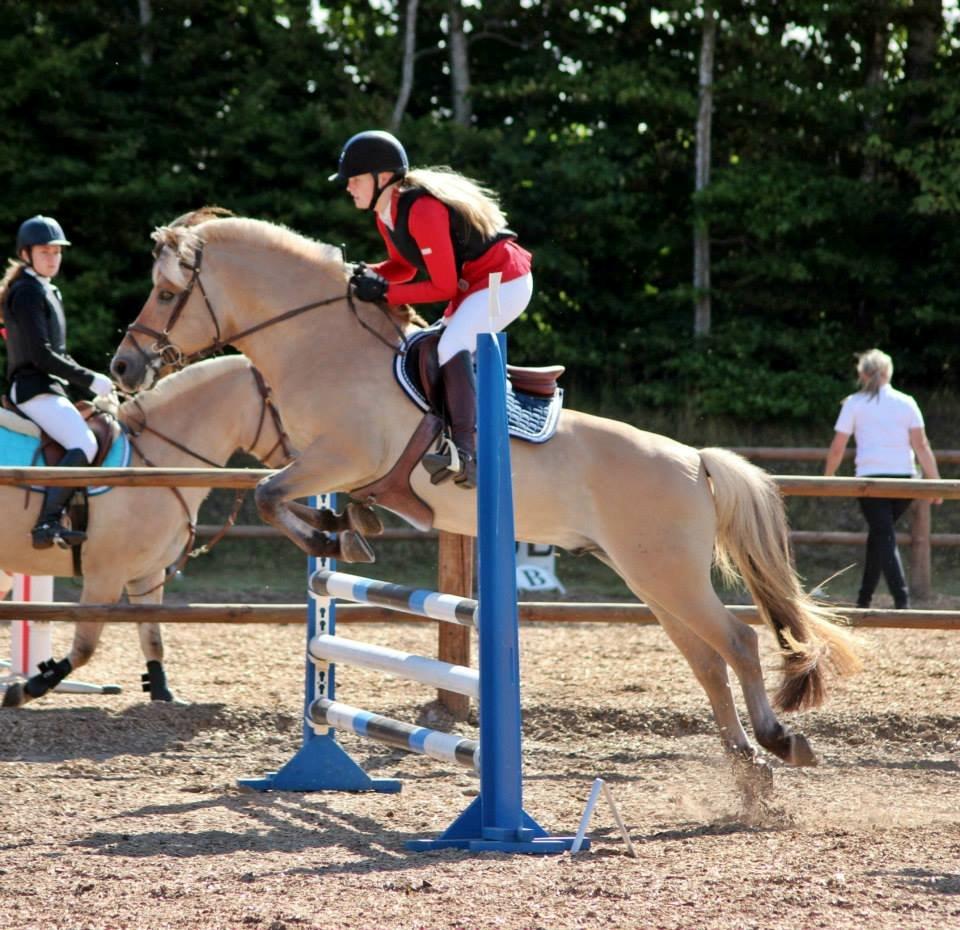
{"points": [[283, 443], [167, 353]]}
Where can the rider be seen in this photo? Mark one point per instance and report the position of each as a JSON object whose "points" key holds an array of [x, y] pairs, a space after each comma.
{"points": [[39, 368], [444, 235]]}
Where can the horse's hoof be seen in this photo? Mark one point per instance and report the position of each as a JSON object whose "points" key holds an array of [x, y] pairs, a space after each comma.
{"points": [[354, 548], [800, 751], [14, 696], [364, 520]]}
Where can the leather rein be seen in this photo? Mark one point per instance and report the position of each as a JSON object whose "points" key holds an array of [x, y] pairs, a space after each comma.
{"points": [[283, 443], [167, 353]]}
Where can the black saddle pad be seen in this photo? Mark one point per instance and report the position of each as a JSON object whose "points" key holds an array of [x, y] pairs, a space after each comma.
{"points": [[530, 418]]}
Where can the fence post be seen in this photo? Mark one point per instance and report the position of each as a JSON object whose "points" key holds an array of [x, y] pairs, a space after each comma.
{"points": [[454, 576], [920, 550]]}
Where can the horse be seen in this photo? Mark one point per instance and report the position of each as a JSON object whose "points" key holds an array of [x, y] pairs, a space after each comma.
{"points": [[661, 514], [135, 533]]}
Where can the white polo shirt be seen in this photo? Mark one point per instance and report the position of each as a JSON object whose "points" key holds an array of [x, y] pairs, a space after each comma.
{"points": [[881, 426]]}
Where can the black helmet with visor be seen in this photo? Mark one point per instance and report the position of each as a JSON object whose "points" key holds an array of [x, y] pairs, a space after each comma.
{"points": [[372, 152]]}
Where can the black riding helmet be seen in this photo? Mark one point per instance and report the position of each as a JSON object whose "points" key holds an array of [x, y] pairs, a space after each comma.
{"points": [[371, 152], [40, 230]]}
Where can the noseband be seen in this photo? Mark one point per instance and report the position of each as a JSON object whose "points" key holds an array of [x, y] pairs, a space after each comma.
{"points": [[165, 353]]}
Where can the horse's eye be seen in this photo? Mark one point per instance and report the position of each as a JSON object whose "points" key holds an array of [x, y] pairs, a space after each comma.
{"points": [[165, 296]]}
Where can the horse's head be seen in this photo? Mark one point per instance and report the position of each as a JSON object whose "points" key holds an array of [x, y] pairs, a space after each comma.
{"points": [[214, 279], [150, 347]]}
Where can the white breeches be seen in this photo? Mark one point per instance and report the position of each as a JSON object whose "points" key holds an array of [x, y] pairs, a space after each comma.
{"points": [[57, 417], [473, 317]]}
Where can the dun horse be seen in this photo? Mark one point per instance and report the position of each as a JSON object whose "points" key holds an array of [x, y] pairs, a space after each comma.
{"points": [[659, 513], [195, 418]]}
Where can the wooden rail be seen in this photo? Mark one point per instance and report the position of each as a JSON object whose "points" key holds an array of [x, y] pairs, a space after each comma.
{"points": [[530, 612]]}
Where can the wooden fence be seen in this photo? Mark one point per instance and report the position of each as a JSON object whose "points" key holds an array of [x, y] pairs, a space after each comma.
{"points": [[456, 556]]}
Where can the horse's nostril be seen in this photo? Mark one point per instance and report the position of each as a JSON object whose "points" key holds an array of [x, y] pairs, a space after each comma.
{"points": [[119, 368]]}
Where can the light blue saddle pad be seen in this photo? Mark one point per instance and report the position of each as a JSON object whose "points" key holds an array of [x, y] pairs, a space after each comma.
{"points": [[18, 450]]}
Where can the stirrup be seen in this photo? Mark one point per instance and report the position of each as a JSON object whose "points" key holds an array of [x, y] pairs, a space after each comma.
{"points": [[45, 535], [444, 463]]}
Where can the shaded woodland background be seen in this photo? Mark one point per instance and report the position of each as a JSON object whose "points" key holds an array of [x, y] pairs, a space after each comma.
{"points": [[832, 205]]}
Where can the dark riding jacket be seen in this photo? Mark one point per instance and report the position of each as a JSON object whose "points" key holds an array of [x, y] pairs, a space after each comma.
{"points": [[37, 358]]}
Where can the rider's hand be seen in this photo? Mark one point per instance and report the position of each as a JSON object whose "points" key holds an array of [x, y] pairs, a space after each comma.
{"points": [[369, 286], [101, 385]]}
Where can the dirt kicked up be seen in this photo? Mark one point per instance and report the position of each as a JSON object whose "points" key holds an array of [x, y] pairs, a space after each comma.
{"points": [[121, 815]]}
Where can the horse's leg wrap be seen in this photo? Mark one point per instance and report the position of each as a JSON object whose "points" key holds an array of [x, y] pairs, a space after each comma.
{"points": [[155, 681], [51, 674]]}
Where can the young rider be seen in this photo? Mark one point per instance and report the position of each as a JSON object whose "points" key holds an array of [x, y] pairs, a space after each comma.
{"points": [[444, 235], [39, 368]]}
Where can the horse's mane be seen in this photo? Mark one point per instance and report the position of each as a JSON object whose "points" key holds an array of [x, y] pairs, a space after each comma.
{"points": [[172, 388], [192, 230]]}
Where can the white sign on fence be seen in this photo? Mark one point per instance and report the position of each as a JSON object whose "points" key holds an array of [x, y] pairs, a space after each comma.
{"points": [[535, 568]]}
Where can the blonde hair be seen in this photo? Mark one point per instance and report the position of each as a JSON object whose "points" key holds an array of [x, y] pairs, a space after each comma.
{"points": [[479, 206], [874, 369], [14, 269]]}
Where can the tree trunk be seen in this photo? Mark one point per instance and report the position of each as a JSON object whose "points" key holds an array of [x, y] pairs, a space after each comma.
{"points": [[146, 46], [406, 72], [459, 66], [701, 228], [874, 66]]}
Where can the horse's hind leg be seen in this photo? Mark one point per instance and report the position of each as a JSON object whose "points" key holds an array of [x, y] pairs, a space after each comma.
{"points": [[151, 639], [753, 775], [737, 644]]}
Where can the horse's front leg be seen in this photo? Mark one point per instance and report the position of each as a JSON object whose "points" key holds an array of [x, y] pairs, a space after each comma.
{"points": [[313, 473], [86, 635], [149, 590]]}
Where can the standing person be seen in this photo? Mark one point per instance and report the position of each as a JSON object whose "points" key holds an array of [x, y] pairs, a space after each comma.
{"points": [[888, 428], [39, 368], [444, 235]]}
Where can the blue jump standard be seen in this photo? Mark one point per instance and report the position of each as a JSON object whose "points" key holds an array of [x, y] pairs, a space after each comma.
{"points": [[496, 821]]}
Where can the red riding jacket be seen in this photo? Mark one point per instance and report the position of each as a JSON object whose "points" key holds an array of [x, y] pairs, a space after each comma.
{"points": [[429, 261]]}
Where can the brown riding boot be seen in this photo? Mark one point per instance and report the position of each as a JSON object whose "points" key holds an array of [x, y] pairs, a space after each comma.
{"points": [[459, 458]]}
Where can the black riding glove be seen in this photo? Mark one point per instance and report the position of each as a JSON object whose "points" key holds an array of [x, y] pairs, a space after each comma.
{"points": [[368, 285]]}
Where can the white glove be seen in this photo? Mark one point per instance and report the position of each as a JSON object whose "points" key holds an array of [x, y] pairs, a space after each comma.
{"points": [[101, 385]]}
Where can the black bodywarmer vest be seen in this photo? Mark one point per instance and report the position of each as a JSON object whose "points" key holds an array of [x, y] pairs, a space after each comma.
{"points": [[468, 242]]}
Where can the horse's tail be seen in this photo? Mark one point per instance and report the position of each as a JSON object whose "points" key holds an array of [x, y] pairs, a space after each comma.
{"points": [[753, 544]]}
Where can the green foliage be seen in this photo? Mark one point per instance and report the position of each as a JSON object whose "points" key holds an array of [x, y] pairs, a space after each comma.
{"points": [[833, 208]]}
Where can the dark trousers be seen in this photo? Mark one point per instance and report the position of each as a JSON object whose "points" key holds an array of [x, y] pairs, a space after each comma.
{"points": [[881, 514]]}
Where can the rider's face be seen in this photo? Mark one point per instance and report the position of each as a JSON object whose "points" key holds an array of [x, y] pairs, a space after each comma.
{"points": [[45, 259], [360, 188]]}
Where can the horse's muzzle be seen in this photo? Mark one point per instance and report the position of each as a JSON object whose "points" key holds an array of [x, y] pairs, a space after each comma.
{"points": [[129, 370]]}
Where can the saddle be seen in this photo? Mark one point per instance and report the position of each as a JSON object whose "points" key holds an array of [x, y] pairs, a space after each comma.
{"points": [[534, 401], [105, 427]]}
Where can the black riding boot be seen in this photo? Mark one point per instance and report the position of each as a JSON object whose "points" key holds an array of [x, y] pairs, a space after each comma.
{"points": [[460, 394], [48, 529]]}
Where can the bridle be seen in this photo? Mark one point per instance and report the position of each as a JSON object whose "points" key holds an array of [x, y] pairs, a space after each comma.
{"points": [[164, 353], [283, 443]]}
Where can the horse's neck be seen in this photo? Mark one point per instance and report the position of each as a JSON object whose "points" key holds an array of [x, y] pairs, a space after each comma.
{"points": [[206, 427], [317, 354]]}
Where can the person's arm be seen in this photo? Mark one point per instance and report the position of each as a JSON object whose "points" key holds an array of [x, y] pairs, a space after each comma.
{"points": [[925, 456], [835, 453]]}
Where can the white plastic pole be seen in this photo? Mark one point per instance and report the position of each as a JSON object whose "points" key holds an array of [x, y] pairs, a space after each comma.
{"points": [[31, 641]]}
